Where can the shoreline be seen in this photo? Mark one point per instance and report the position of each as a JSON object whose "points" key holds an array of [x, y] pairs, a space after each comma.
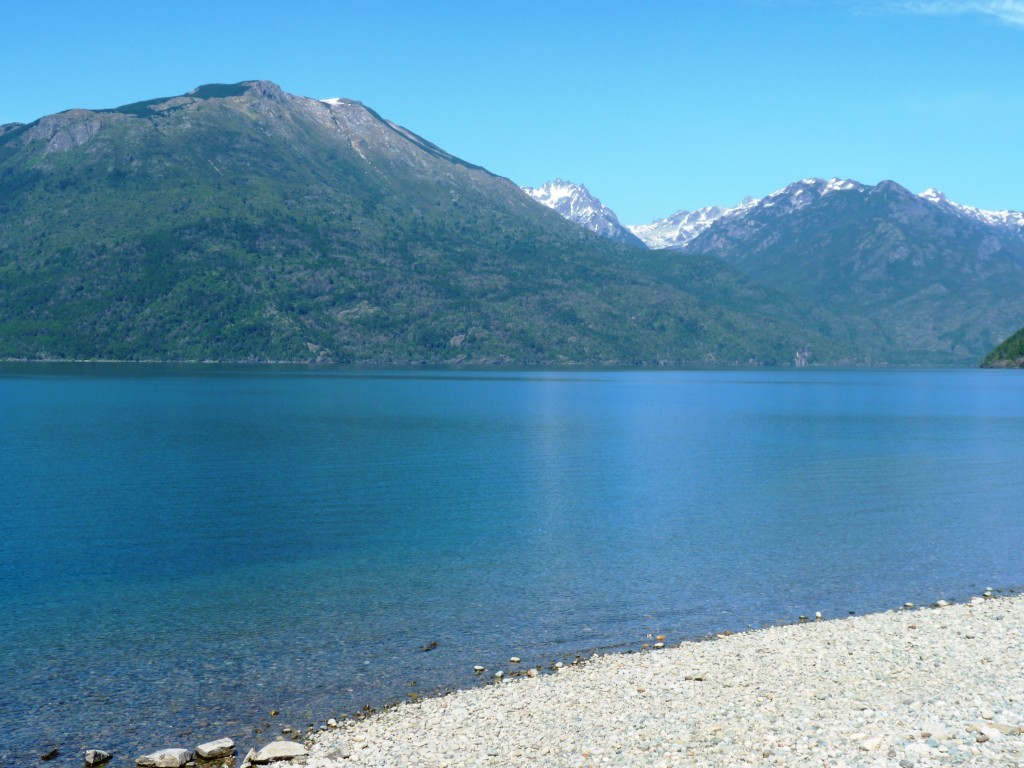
{"points": [[905, 687], [597, 690]]}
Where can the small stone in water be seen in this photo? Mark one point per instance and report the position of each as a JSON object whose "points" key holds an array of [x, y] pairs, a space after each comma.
{"points": [[332, 723], [50, 755], [478, 669], [514, 660], [96, 757]]}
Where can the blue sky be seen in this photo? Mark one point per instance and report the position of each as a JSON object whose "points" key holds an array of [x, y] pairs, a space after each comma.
{"points": [[656, 106]]}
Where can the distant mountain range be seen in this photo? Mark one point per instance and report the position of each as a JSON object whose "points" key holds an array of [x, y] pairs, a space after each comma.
{"points": [[921, 278], [240, 222]]}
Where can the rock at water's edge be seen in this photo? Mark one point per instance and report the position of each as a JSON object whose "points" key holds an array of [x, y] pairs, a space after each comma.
{"points": [[165, 758], [213, 750], [96, 757], [279, 750]]}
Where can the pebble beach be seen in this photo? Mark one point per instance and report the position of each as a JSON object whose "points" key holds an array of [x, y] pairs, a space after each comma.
{"points": [[912, 687]]}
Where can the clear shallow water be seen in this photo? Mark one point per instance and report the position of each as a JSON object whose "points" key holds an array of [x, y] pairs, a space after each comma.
{"points": [[183, 549]]}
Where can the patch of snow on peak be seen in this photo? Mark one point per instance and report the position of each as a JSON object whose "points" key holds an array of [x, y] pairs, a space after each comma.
{"points": [[841, 185], [334, 102], [802, 193], [556, 191], [934, 196]]}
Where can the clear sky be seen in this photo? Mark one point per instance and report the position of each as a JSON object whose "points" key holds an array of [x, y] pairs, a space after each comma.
{"points": [[655, 106]]}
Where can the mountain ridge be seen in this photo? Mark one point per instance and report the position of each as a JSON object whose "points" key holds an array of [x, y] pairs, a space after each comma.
{"points": [[243, 223], [931, 280], [938, 283], [680, 228]]}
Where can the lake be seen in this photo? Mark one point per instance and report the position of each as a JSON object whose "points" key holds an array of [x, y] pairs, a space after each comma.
{"points": [[185, 548]]}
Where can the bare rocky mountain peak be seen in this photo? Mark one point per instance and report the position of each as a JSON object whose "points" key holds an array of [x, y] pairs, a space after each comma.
{"points": [[64, 131], [267, 90]]}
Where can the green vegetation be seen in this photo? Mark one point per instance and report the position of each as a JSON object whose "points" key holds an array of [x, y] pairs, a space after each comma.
{"points": [[218, 91], [245, 224], [1009, 354]]}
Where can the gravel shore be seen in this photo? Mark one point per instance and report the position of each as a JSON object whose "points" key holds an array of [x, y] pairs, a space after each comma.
{"points": [[914, 687]]}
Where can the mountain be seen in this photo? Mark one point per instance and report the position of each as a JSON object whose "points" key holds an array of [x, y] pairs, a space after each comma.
{"points": [[240, 222], [677, 230], [1009, 354], [924, 280], [575, 203], [1008, 220]]}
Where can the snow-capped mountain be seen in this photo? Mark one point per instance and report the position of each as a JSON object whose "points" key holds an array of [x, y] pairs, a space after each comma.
{"points": [[684, 227], [681, 227], [922, 278], [1012, 219], [576, 203], [938, 279]]}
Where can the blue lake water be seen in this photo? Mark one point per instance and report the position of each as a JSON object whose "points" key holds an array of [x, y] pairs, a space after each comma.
{"points": [[185, 548]]}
